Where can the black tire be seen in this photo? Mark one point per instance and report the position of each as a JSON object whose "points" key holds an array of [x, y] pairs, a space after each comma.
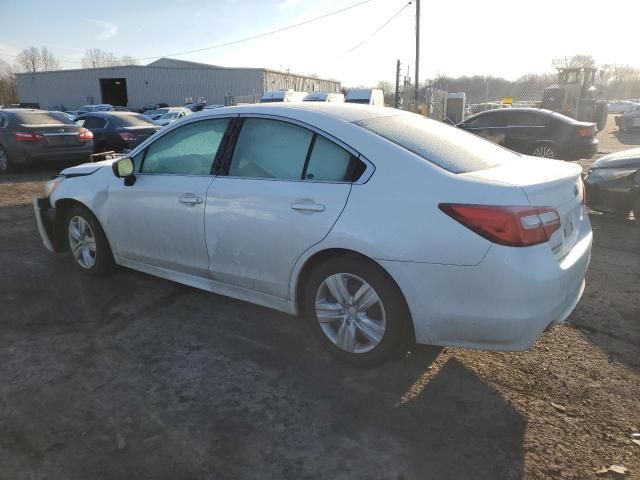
{"points": [[397, 334], [601, 115], [548, 148], [5, 163], [103, 258]]}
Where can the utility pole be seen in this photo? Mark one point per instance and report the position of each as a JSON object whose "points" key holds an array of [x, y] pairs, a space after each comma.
{"points": [[397, 99], [417, 74]]}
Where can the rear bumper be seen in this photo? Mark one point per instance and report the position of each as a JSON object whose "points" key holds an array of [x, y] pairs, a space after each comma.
{"points": [[22, 154], [582, 149], [504, 303]]}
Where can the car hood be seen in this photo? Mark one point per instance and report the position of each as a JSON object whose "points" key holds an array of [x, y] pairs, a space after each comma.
{"points": [[626, 158], [87, 168]]}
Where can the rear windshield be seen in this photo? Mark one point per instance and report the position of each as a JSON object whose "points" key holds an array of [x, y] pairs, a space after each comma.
{"points": [[447, 147], [366, 101], [40, 118], [135, 121], [271, 100]]}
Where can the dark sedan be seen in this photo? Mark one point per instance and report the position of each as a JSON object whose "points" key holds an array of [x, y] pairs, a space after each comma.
{"points": [[537, 132], [613, 184], [29, 135], [117, 131]]}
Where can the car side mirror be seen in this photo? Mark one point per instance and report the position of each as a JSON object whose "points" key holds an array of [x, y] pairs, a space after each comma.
{"points": [[124, 168]]}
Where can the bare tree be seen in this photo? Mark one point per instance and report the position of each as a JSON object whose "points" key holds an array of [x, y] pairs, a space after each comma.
{"points": [[575, 61], [47, 61], [8, 84], [97, 58], [389, 91], [30, 59]]}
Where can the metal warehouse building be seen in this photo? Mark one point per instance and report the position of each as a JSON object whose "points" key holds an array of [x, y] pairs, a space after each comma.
{"points": [[166, 80]]}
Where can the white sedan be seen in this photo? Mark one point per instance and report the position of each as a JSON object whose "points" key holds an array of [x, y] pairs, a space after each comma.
{"points": [[380, 227]]}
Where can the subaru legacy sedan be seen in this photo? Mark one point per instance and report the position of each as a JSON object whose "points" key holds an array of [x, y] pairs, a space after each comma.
{"points": [[379, 227]]}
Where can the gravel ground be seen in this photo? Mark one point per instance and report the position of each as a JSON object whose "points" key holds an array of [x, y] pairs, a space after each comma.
{"points": [[130, 376]]}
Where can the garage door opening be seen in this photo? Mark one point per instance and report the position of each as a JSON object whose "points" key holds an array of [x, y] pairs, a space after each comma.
{"points": [[114, 91]]}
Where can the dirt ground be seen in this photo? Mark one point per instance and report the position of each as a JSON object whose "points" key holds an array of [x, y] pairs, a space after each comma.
{"points": [[134, 377]]}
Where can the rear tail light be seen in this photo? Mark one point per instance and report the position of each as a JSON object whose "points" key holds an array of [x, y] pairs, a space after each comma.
{"points": [[587, 131], [128, 136], [85, 134], [28, 137], [510, 225]]}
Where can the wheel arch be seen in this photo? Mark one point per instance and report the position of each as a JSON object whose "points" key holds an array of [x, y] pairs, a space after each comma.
{"points": [[308, 264], [62, 207]]}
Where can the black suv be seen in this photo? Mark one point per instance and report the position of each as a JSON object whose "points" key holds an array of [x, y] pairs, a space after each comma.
{"points": [[534, 131]]}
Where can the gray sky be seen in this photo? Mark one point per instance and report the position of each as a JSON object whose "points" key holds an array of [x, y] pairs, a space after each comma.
{"points": [[494, 37]]}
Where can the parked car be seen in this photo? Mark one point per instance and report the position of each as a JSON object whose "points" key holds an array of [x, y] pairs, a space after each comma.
{"points": [[276, 96], [67, 115], [102, 107], [195, 107], [299, 218], [324, 97], [212, 107], [172, 115], [629, 120], [117, 131], [366, 96], [537, 132], [621, 106], [613, 184], [29, 135]]}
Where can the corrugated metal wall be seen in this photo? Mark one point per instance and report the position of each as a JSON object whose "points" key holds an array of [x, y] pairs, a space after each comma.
{"points": [[148, 85], [279, 80]]}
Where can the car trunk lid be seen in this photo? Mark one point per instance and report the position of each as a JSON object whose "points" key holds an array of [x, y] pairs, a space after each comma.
{"points": [[56, 136], [546, 183]]}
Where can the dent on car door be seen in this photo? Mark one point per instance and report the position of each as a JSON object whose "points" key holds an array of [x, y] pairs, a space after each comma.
{"points": [[159, 220], [285, 188]]}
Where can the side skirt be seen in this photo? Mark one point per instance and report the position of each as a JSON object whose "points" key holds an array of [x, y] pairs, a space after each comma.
{"points": [[239, 293]]}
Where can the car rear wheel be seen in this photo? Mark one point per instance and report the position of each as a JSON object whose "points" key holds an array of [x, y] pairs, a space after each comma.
{"points": [[356, 311], [544, 150], [88, 244], [5, 164]]}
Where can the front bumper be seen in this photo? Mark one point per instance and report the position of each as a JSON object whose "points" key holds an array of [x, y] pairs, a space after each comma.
{"points": [[504, 303], [45, 219]]}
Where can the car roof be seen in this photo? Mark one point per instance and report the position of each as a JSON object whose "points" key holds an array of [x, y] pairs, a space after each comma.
{"points": [[114, 113], [339, 111]]}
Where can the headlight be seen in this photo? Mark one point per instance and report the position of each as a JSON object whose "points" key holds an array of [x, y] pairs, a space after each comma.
{"points": [[52, 184], [611, 173]]}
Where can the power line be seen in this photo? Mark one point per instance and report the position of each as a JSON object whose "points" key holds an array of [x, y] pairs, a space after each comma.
{"points": [[378, 29], [253, 37]]}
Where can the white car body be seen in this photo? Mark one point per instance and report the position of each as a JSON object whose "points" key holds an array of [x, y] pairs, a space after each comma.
{"points": [[324, 97], [366, 96], [244, 237], [171, 116], [275, 96]]}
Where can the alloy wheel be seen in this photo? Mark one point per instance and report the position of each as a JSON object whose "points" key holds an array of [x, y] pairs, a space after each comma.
{"points": [[544, 151], [350, 313], [82, 242]]}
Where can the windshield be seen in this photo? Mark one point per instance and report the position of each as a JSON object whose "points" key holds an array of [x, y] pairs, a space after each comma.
{"points": [[366, 101], [135, 121], [41, 118], [447, 147], [271, 100], [169, 115]]}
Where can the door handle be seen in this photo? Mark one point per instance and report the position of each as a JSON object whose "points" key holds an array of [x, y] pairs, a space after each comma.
{"points": [[190, 200], [308, 207]]}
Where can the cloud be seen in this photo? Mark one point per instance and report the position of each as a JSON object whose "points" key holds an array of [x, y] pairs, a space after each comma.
{"points": [[108, 29]]}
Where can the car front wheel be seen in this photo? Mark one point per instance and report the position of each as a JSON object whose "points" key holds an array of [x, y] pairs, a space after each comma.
{"points": [[87, 242], [5, 165], [356, 311]]}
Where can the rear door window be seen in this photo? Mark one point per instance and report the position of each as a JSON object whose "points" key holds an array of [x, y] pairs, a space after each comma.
{"points": [[135, 121], [448, 147]]}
